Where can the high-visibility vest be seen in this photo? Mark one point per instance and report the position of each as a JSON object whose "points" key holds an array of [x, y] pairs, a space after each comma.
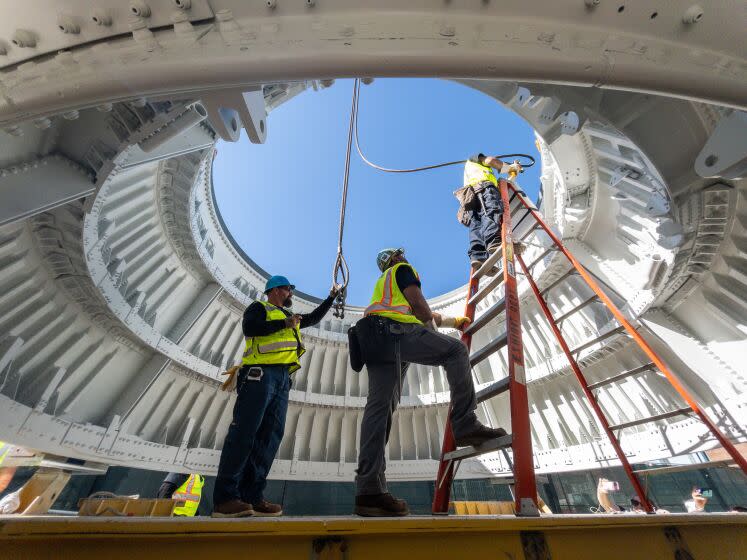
{"points": [[281, 347], [475, 173], [190, 493], [4, 450], [388, 300]]}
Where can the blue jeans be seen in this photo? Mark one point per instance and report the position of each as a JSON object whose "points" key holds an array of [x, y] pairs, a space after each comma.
{"points": [[254, 435], [485, 224]]}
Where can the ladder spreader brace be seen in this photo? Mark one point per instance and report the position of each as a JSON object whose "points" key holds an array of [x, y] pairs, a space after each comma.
{"points": [[525, 492]]}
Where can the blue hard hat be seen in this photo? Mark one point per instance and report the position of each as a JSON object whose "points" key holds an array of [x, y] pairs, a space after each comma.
{"points": [[276, 282]]}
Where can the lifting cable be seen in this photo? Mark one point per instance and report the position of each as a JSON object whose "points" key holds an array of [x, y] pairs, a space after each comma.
{"points": [[341, 272]]}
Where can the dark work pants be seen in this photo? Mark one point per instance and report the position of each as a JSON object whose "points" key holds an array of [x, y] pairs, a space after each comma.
{"points": [[254, 436], [421, 346], [485, 224]]}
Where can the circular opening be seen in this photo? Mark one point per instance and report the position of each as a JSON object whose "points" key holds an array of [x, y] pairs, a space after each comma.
{"points": [[95, 19], [14, 42], [262, 126], [621, 9], [135, 10], [698, 16], [62, 28], [711, 160], [383, 209], [234, 124], [653, 16], [200, 109]]}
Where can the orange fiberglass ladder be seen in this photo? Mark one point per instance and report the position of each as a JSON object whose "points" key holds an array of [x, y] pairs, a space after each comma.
{"points": [[525, 491]]}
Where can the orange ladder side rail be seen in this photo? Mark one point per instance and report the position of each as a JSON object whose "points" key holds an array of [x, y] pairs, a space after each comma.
{"points": [[525, 489], [585, 386], [445, 475], [653, 356]]}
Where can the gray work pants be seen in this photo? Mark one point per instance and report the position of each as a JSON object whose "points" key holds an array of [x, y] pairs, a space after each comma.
{"points": [[421, 346]]}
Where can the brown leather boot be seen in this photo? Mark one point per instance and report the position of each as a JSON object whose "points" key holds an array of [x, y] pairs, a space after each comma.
{"points": [[380, 505], [267, 509], [478, 435], [233, 508]]}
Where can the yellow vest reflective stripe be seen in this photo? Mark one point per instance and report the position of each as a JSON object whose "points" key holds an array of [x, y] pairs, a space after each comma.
{"points": [[4, 450], [283, 347], [476, 173], [190, 493], [388, 300]]}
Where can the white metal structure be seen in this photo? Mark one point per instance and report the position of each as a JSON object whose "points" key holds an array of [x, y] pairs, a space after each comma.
{"points": [[121, 293]]}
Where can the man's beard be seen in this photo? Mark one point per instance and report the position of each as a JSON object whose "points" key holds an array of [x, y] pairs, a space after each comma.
{"points": [[288, 302]]}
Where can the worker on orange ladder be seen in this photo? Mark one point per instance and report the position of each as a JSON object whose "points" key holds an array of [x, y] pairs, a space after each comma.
{"points": [[399, 326], [484, 213]]}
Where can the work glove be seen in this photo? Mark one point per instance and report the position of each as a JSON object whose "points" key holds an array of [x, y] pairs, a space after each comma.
{"points": [[462, 323]]}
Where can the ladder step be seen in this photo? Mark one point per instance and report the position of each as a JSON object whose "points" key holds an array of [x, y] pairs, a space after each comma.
{"points": [[576, 309], [546, 252], [492, 390], [600, 338], [488, 264], [663, 416], [558, 281], [491, 313], [489, 286], [487, 447], [623, 375], [493, 346]]}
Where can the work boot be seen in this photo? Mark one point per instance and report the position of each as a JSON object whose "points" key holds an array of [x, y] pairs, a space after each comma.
{"points": [[264, 508], [478, 435], [475, 265], [380, 505], [233, 508]]}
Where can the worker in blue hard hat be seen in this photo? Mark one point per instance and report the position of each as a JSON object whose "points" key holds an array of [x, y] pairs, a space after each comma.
{"points": [[399, 328], [274, 348]]}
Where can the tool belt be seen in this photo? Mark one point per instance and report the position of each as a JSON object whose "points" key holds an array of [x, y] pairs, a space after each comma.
{"points": [[374, 340], [470, 200]]}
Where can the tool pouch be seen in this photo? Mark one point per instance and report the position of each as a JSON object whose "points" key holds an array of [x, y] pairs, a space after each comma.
{"points": [[354, 350], [468, 201], [375, 340]]}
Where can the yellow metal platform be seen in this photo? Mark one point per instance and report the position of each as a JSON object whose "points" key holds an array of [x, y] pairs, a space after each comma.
{"points": [[558, 537]]}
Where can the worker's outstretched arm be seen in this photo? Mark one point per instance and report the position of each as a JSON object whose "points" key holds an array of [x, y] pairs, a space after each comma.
{"points": [[420, 308]]}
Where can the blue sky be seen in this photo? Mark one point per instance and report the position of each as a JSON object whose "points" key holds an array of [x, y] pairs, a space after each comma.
{"points": [[281, 200]]}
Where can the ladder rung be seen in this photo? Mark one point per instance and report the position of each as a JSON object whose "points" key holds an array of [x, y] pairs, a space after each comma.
{"points": [[487, 447], [558, 281], [493, 346], [489, 286], [488, 264], [536, 261], [576, 309], [663, 416], [515, 226], [491, 313], [528, 233], [493, 390], [600, 338], [622, 375]]}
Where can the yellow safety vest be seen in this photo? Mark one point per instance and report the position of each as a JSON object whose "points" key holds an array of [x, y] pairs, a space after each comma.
{"points": [[190, 493], [4, 450], [388, 300], [475, 173], [281, 347]]}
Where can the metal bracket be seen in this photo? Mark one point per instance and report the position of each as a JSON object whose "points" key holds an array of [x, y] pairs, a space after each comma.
{"points": [[725, 152]]}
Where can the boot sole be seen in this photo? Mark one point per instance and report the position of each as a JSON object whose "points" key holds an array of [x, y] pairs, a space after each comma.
{"points": [[249, 513], [258, 514], [367, 511]]}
